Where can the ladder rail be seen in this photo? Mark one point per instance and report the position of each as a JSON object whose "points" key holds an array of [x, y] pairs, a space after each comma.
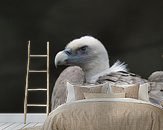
{"points": [[47, 108], [26, 86]]}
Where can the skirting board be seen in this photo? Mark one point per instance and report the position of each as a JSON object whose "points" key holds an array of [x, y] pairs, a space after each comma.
{"points": [[19, 117]]}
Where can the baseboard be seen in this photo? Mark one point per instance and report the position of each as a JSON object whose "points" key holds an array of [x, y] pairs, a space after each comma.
{"points": [[19, 117]]}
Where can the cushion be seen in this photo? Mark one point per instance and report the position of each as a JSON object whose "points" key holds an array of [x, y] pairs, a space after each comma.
{"points": [[143, 92], [161, 103], [103, 95], [70, 93], [80, 90], [76, 92], [131, 91]]}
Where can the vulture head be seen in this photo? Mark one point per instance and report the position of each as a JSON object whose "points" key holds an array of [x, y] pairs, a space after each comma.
{"points": [[88, 53]]}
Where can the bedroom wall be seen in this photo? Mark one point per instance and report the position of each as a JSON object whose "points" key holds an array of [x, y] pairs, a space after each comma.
{"points": [[131, 30]]}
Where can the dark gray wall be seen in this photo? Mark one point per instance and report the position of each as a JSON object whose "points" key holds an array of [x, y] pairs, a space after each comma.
{"points": [[131, 30]]}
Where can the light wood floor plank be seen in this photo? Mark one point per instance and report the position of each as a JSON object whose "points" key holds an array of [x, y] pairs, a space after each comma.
{"points": [[21, 126], [5, 126], [18, 126], [39, 124], [30, 125], [1, 124], [12, 127], [19, 117]]}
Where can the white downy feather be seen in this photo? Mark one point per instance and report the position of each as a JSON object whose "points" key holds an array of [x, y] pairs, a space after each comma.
{"points": [[116, 67]]}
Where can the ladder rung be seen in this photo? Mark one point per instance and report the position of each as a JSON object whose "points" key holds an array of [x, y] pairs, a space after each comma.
{"points": [[38, 55], [36, 105], [37, 71], [37, 89]]}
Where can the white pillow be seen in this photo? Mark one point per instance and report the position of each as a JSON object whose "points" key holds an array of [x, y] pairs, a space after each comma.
{"points": [[143, 91], [71, 93]]}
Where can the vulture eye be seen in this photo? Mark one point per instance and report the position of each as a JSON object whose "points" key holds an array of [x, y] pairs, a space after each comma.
{"points": [[84, 48]]}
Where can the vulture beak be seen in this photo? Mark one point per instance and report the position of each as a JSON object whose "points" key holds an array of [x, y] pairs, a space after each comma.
{"points": [[61, 58]]}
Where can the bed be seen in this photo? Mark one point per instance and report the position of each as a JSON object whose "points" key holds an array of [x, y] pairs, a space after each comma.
{"points": [[106, 107], [106, 114], [115, 107]]}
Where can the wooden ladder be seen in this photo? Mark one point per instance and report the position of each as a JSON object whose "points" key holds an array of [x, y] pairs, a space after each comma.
{"points": [[36, 89]]}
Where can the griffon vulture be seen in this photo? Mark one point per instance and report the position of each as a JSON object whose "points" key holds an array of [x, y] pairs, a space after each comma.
{"points": [[90, 55]]}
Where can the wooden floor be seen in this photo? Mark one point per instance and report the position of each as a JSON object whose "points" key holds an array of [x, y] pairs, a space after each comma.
{"points": [[17, 126], [15, 121]]}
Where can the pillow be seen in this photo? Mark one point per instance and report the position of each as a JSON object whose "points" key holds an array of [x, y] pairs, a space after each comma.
{"points": [[161, 103], [143, 92], [131, 91], [70, 93], [80, 90], [103, 95], [76, 92]]}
